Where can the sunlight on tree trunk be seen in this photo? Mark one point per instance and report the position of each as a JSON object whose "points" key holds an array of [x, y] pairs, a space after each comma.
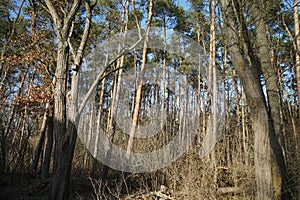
{"points": [[140, 84], [250, 78], [297, 38]]}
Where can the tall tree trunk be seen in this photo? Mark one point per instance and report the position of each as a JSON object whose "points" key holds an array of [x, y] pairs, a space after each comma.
{"points": [[213, 90], [60, 179], [245, 139], [65, 125], [297, 39], [116, 86], [249, 73], [163, 92], [140, 84], [98, 129], [270, 77], [199, 81], [296, 44], [100, 110]]}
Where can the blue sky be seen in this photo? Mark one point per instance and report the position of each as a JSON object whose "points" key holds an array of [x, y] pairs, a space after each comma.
{"points": [[184, 4]]}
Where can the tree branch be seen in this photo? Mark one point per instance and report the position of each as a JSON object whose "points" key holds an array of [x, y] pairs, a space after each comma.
{"points": [[54, 14], [101, 76], [85, 33], [70, 16]]}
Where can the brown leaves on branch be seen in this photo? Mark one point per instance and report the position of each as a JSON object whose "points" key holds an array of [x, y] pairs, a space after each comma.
{"points": [[34, 55], [35, 96], [30, 50]]}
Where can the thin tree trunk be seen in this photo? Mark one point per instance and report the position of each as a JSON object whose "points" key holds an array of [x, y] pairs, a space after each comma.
{"points": [[180, 106], [48, 149], [213, 81], [9, 122], [296, 44], [23, 142], [38, 150], [98, 129], [140, 84], [163, 92], [245, 146], [89, 139], [297, 39], [116, 89], [101, 99]]}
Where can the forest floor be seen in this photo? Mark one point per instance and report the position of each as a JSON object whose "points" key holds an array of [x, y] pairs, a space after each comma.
{"points": [[22, 186], [28, 187]]}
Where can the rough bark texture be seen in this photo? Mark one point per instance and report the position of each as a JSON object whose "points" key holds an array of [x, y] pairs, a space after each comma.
{"points": [[249, 73], [270, 77], [63, 156], [59, 185]]}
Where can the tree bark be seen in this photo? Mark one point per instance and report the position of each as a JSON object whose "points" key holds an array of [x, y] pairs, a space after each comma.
{"points": [[297, 39], [59, 185], [64, 140], [213, 90], [48, 149], [38, 150], [273, 96], [140, 84], [249, 73]]}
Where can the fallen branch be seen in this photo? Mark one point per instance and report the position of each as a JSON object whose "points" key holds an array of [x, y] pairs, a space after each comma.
{"points": [[226, 190]]}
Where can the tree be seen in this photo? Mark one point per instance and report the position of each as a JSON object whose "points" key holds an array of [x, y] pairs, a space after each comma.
{"points": [[297, 47], [138, 96], [253, 45], [270, 76], [7, 34], [65, 125], [248, 67]]}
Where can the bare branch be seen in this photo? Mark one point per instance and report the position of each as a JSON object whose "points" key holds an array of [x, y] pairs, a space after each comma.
{"points": [[85, 33], [54, 14], [70, 16], [101, 76], [69, 41]]}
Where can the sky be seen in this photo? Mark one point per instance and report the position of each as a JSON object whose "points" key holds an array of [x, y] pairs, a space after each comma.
{"points": [[184, 4]]}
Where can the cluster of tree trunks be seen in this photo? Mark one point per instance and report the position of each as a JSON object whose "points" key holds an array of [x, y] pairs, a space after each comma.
{"points": [[250, 54]]}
